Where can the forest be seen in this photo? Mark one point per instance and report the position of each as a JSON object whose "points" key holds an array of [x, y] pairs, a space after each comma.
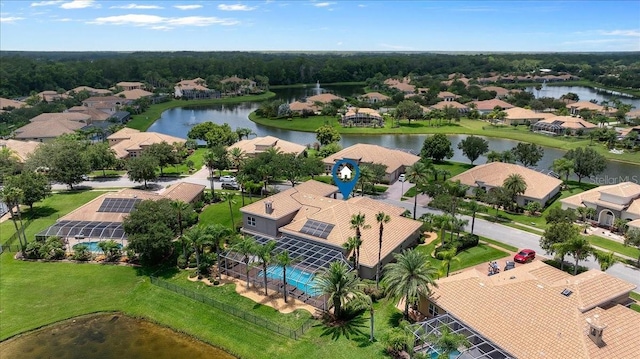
{"points": [[23, 73]]}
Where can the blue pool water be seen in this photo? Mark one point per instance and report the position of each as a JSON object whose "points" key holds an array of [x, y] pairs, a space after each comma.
{"points": [[93, 246], [452, 355], [295, 277]]}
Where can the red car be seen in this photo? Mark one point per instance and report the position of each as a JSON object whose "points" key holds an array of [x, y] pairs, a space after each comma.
{"points": [[525, 255]]}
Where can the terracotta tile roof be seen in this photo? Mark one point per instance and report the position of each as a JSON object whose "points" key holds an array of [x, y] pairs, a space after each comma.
{"points": [[183, 191], [233, 79], [366, 153], [95, 114], [442, 104], [310, 195], [569, 122], [21, 149], [620, 334], [339, 214], [624, 189], [635, 223], [633, 114], [375, 95], [89, 89], [593, 196], [445, 94], [50, 125], [529, 316], [500, 91], [50, 96], [134, 94], [105, 100], [195, 83], [493, 174], [363, 110], [70, 116], [5, 103], [628, 130], [301, 106], [131, 139], [89, 211], [324, 98], [489, 105], [519, 113], [258, 145], [404, 87], [586, 105], [129, 84]]}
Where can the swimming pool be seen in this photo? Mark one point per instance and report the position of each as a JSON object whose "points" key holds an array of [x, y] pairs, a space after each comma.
{"points": [[453, 355], [295, 277], [93, 246]]}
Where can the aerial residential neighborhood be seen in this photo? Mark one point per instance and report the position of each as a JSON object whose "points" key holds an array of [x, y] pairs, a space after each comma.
{"points": [[177, 189]]}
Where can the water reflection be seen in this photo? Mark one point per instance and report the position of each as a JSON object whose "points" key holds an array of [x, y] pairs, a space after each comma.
{"points": [[107, 337], [584, 93]]}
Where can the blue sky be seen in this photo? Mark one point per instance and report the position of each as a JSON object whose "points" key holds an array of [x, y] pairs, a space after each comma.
{"points": [[306, 25]]}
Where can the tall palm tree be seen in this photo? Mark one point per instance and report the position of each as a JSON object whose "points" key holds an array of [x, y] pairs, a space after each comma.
{"points": [[458, 225], [443, 222], [210, 159], [590, 213], [218, 235], [228, 197], [246, 247], [351, 245], [382, 218], [409, 277], [515, 185], [419, 175], [12, 198], [366, 177], [198, 238], [340, 284], [181, 210], [447, 257], [284, 260], [446, 341], [265, 253], [474, 207], [563, 166], [456, 190], [578, 247], [358, 222], [605, 260], [236, 156]]}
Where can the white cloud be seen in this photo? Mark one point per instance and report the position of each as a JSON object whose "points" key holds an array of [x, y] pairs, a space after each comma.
{"points": [[323, 4], [235, 7], [46, 3], [66, 19], [79, 4], [396, 47], [136, 6], [162, 23], [635, 33], [10, 19], [362, 5], [187, 7]]}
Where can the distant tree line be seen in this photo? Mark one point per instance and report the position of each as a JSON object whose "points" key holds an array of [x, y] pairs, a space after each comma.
{"points": [[24, 72]]}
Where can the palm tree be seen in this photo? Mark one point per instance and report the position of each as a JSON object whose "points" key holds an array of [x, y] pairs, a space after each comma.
{"points": [[443, 222], [236, 156], [563, 166], [228, 197], [351, 245], [218, 234], [418, 174], [606, 260], [198, 238], [579, 248], [447, 257], [620, 225], [458, 225], [210, 159], [181, 210], [516, 185], [284, 260], [582, 211], [340, 284], [446, 341], [246, 247], [590, 213], [381, 218], [474, 207], [366, 176], [12, 198], [409, 277], [265, 253], [358, 223]]}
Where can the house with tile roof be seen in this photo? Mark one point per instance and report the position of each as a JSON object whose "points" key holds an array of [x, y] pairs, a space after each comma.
{"points": [[448, 96], [290, 214], [361, 117], [127, 85], [50, 96], [92, 91], [576, 107], [302, 107], [519, 116], [536, 311], [6, 104], [621, 200], [20, 149], [396, 160], [134, 94], [559, 125], [633, 132], [254, 146], [48, 126], [487, 106], [541, 188], [323, 98], [184, 191], [501, 92], [129, 142], [108, 104], [403, 85], [455, 104], [194, 89], [374, 97], [239, 85], [95, 114]]}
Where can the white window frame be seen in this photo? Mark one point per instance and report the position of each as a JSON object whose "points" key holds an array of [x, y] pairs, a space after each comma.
{"points": [[251, 221]]}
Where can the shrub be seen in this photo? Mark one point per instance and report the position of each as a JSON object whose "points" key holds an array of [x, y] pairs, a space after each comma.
{"points": [[198, 206], [467, 241], [81, 252], [182, 262]]}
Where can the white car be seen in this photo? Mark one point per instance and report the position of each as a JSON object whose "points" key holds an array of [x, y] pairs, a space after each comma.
{"points": [[227, 178], [401, 178]]}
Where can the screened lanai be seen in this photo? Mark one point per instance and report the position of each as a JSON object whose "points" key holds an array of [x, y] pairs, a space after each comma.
{"points": [[554, 127], [480, 348], [309, 259], [83, 231]]}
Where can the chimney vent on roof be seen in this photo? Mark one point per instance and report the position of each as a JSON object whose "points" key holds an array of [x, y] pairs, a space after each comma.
{"points": [[566, 292], [268, 207], [595, 330]]}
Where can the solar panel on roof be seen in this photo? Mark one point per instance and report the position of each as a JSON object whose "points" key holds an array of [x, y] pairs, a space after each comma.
{"points": [[317, 228], [118, 205]]}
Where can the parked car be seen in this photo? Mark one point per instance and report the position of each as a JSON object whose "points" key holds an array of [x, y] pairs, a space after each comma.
{"points": [[227, 178], [509, 265], [525, 255], [401, 178], [230, 185]]}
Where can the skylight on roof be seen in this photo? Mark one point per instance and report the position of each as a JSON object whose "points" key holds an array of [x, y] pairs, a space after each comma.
{"points": [[566, 292]]}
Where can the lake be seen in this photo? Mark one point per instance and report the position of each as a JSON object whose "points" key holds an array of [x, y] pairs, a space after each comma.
{"points": [[108, 336], [584, 93], [178, 121]]}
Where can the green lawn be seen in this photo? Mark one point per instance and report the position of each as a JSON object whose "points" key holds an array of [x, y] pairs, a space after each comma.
{"points": [[635, 296], [198, 161], [143, 121], [614, 246], [46, 212], [453, 169], [468, 258], [219, 212]]}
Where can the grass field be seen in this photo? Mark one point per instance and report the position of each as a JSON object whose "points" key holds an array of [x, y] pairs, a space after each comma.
{"points": [[468, 258], [614, 246]]}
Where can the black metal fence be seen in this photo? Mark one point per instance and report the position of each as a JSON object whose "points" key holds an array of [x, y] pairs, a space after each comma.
{"points": [[12, 248], [240, 313]]}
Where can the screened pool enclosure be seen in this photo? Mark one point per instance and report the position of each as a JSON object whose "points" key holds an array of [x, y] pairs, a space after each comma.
{"points": [[75, 232], [309, 259]]}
